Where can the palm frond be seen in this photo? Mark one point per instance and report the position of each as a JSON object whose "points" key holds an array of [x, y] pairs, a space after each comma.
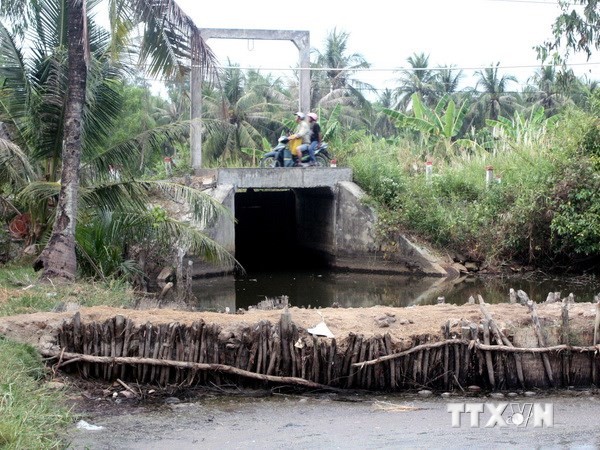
{"points": [[125, 155], [119, 196], [170, 38], [204, 208], [15, 169]]}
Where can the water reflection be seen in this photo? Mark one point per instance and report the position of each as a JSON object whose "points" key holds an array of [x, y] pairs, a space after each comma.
{"points": [[323, 289]]}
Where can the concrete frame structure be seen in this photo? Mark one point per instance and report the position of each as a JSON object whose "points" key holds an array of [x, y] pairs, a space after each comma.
{"points": [[301, 40]]}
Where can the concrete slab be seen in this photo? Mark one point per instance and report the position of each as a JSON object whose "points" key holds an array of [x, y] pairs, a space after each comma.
{"points": [[284, 178]]}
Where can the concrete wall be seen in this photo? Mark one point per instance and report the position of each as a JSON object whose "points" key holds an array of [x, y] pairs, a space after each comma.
{"points": [[222, 231], [357, 247], [315, 213]]}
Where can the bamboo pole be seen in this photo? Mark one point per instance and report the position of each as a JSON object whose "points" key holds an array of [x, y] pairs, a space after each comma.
{"points": [[389, 350], [566, 340], [331, 361], [126, 341], [316, 366], [446, 356], [354, 360], [596, 336], [426, 356]]}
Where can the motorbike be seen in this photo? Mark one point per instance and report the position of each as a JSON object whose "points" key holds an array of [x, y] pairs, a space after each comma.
{"points": [[281, 156]]}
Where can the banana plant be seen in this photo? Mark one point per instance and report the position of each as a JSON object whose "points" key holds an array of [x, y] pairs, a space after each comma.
{"points": [[522, 129], [439, 125]]}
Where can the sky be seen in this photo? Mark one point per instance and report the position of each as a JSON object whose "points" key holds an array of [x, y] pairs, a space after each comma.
{"points": [[470, 34]]}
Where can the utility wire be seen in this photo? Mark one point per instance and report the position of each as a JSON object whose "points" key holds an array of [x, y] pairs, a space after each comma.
{"points": [[541, 2], [408, 69]]}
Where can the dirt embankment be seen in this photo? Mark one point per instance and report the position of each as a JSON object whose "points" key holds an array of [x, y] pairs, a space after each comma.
{"points": [[402, 324]]}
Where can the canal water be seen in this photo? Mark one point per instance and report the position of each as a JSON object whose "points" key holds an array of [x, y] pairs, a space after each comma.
{"points": [[324, 288]]}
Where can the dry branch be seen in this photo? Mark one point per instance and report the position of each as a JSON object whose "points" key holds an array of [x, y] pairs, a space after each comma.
{"points": [[480, 346], [219, 368]]}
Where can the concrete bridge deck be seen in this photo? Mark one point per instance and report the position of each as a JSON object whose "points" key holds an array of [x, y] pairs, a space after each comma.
{"points": [[279, 177]]}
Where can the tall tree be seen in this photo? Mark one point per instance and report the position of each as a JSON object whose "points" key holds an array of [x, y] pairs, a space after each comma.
{"points": [[418, 79], [576, 29], [338, 85], [446, 81], [341, 65], [545, 90], [246, 108], [494, 94], [166, 37]]}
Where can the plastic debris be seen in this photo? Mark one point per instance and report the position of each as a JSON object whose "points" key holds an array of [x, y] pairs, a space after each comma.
{"points": [[321, 330], [83, 425]]}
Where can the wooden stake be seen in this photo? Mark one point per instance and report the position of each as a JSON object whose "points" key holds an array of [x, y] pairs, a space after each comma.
{"points": [[502, 339], [389, 350], [541, 340], [596, 335], [488, 356]]}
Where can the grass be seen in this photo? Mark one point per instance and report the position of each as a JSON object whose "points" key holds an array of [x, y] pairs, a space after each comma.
{"points": [[22, 293], [31, 415]]}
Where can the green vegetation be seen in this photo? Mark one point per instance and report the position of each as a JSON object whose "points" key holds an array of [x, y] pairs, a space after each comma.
{"points": [[30, 414], [542, 210], [22, 293]]}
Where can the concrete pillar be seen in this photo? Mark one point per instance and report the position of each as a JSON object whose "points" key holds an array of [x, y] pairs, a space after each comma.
{"points": [[428, 170], [196, 109], [301, 40], [303, 44], [489, 176]]}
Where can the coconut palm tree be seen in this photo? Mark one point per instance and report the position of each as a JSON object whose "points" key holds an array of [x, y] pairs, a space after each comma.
{"points": [[168, 34], [446, 81], [341, 65], [338, 87], [418, 79], [245, 110], [495, 98], [383, 126], [544, 90]]}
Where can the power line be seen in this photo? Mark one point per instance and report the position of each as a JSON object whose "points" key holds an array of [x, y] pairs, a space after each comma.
{"points": [[408, 69], [542, 2]]}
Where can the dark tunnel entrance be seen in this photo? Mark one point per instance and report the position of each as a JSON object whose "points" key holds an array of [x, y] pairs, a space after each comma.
{"points": [[278, 230]]}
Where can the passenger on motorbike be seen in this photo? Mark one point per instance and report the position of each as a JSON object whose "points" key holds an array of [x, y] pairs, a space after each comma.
{"points": [[315, 138], [300, 136]]}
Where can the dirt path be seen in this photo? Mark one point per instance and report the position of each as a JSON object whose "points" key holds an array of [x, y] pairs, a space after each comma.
{"points": [[38, 328], [307, 422]]}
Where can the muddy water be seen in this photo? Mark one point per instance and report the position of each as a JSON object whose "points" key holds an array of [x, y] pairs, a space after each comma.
{"points": [[317, 422], [324, 288]]}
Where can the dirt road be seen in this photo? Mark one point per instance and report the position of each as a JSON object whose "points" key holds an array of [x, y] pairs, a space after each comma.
{"points": [[365, 422]]}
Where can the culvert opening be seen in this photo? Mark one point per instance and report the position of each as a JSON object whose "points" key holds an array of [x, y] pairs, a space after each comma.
{"points": [[283, 230]]}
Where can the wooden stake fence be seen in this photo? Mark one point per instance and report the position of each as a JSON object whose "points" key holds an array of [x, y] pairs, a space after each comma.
{"points": [[202, 353]]}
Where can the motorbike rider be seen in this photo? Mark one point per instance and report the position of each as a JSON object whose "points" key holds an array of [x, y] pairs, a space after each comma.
{"points": [[301, 136]]}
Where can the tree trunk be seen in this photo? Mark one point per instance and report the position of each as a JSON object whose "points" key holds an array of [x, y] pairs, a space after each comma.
{"points": [[58, 258]]}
